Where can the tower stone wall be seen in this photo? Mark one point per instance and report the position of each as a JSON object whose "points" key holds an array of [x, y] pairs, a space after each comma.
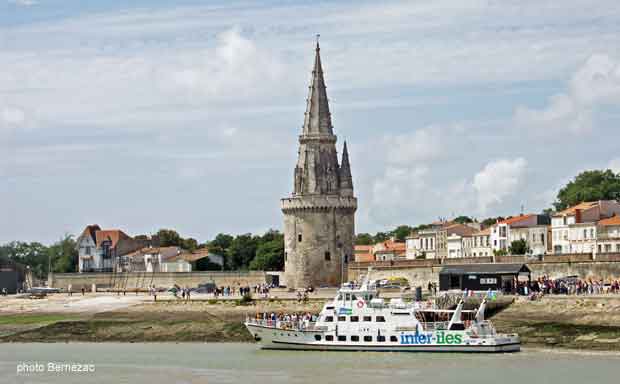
{"points": [[319, 216]]}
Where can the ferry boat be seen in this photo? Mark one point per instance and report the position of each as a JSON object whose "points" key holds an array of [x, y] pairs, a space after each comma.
{"points": [[357, 319]]}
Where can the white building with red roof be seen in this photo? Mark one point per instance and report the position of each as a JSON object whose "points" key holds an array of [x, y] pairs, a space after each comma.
{"points": [[574, 230]]}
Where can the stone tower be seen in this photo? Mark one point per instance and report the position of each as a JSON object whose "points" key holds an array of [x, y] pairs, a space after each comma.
{"points": [[319, 217]]}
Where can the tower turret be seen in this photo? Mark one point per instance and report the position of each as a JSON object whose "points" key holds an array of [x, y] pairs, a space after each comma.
{"points": [[346, 181]]}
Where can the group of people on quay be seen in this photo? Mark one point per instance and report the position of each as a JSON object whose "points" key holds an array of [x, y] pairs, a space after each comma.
{"points": [[567, 286], [259, 289], [286, 320]]}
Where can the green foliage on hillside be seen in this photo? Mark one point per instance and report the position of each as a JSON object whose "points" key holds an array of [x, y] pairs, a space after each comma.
{"points": [[62, 255], [589, 186]]}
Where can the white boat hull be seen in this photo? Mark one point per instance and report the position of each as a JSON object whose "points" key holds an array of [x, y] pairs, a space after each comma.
{"points": [[275, 338]]}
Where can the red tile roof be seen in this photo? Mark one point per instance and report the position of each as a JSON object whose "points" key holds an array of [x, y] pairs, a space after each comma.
{"points": [[114, 235], [363, 253], [614, 220], [571, 210], [516, 219]]}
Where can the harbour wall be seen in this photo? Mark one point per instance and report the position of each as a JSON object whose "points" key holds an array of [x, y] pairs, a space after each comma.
{"points": [[420, 272], [143, 280]]}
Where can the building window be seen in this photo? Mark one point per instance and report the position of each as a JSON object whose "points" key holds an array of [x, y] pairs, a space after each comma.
{"points": [[367, 338], [342, 338], [317, 337], [381, 338], [87, 251], [299, 237], [355, 338], [354, 319], [329, 319], [328, 256], [380, 319], [329, 338], [393, 338], [369, 318], [342, 318]]}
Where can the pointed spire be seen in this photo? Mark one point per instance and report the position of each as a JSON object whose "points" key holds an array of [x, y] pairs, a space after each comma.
{"points": [[318, 119], [346, 180]]}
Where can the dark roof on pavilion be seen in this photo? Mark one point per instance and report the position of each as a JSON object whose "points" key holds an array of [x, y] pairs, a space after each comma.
{"points": [[484, 269]]}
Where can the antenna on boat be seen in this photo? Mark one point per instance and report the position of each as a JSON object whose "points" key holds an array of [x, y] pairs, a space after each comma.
{"points": [[480, 313], [456, 316]]}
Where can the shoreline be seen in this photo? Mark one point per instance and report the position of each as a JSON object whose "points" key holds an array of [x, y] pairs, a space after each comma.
{"points": [[567, 324]]}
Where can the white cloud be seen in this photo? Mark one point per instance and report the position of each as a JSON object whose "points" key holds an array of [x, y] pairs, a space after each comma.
{"points": [[12, 116], [596, 83], [24, 3], [419, 145], [614, 165], [498, 180]]}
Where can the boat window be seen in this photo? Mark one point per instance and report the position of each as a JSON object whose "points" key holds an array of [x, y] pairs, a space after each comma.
{"points": [[367, 318], [329, 307], [342, 338], [317, 337], [380, 319], [329, 338], [353, 297], [367, 338], [393, 338], [347, 296], [381, 338], [329, 319], [342, 318], [354, 319], [355, 338], [339, 297]]}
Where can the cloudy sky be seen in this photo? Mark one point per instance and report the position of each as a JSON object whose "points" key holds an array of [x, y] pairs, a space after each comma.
{"points": [[185, 114]]}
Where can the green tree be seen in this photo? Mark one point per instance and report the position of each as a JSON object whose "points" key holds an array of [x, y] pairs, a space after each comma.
{"points": [[32, 254], [169, 238], [269, 256], [491, 220], [241, 251], [500, 252], [401, 232], [381, 236], [364, 239], [64, 255], [190, 244], [463, 220], [589, 186], [519, 247]]}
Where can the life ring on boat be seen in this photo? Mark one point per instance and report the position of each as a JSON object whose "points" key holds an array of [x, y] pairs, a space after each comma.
{"points": [[360, 304]]}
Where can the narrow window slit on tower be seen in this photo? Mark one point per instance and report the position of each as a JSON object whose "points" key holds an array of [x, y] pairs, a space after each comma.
{"points": [[328, 256]]}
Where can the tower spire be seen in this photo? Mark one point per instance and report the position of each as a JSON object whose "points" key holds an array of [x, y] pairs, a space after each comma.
{"points": [[317, 120]]}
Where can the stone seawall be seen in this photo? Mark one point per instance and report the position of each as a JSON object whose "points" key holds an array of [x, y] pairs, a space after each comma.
{"points": [[419, 274], [142, 280]]}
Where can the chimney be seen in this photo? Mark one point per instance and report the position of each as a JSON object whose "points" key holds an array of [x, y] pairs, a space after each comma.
{"points": [[577, 215]]}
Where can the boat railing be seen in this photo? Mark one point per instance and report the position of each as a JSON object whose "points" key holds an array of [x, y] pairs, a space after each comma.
{"points": [[285, 324], [436, 326]]}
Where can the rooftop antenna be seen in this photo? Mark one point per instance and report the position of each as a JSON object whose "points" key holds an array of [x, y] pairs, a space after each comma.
{"points": [[521, 209], [317, 40]]}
